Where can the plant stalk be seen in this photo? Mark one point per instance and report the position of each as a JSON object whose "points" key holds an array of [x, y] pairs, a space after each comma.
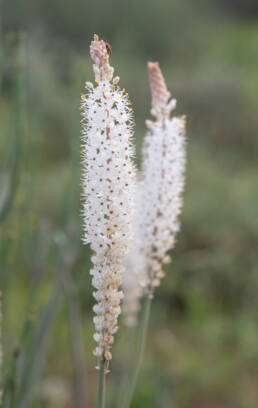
{"points": [[101, 385], [77, 343], [139, 352]]}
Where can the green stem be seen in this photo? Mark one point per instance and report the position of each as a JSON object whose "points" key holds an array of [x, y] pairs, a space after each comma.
{"points": [[101, 385], [77, 343], [139, 352], [128, 363]]}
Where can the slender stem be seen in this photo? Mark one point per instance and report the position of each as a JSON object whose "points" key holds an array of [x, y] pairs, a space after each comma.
{"points": [[129, 360], [77, 344], [101, 385], [139, 352]]}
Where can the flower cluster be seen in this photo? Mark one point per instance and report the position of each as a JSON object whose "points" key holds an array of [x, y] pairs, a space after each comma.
{"points": [[163, 178], [108, 190], [160, 195], [134, 278]]}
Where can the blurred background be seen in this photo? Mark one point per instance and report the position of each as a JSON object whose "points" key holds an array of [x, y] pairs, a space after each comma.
{"points": [[202, 348]]}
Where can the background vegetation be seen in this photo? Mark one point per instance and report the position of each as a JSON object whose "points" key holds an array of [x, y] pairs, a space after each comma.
{"points": [[202, 346]]}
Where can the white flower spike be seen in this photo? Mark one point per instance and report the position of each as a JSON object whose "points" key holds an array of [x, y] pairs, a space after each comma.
{"points": [[163, 178], [159, 198], [108, 182]]}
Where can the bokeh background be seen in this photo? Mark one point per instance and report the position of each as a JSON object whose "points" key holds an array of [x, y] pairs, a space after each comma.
{"points": [[202, 347]]}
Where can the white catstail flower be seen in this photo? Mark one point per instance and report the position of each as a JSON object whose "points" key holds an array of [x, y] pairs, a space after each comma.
{"points": [[159, 194], [134, 277], [108, 182], [163, 177]]}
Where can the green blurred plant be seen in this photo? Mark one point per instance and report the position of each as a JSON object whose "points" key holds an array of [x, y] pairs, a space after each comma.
{"points": [[1, 47], [19, 129]]}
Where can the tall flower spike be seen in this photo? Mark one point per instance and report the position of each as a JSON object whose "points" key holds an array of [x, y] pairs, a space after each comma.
{"points": [[163, 178], [159, 196], [108, 180]]}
